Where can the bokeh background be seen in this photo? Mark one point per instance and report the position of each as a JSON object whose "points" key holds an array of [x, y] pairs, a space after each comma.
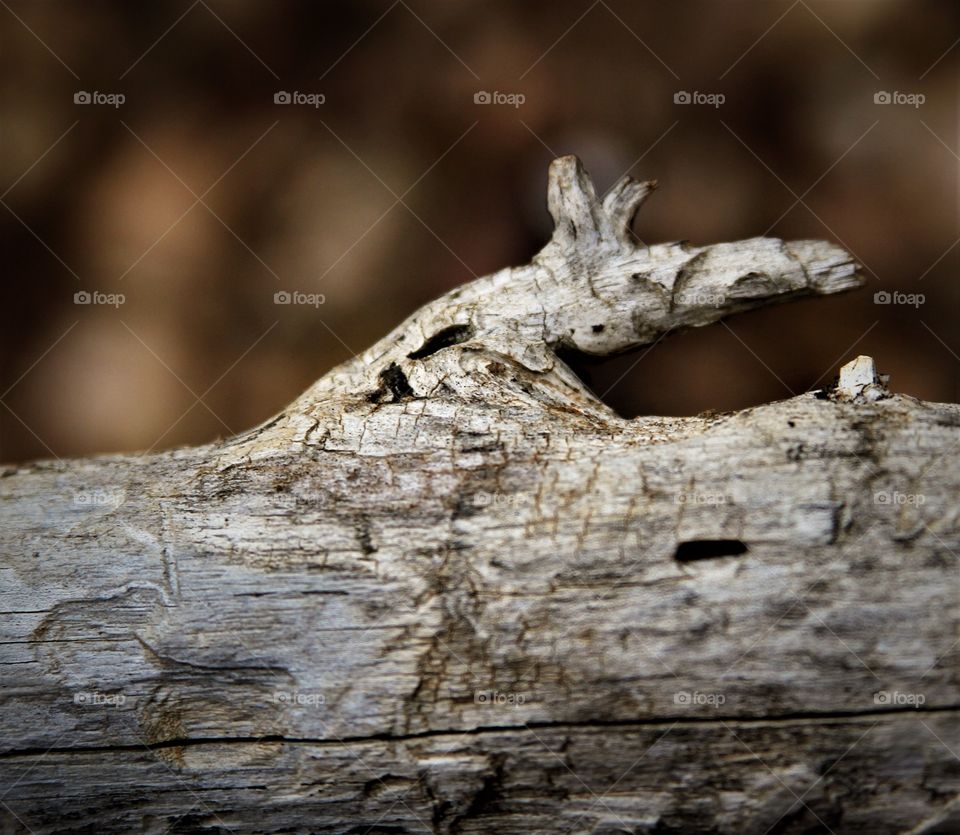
{"points": [[199, 197]]}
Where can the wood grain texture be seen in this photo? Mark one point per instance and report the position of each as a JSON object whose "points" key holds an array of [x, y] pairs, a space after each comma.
{"points": [[449, 590]]}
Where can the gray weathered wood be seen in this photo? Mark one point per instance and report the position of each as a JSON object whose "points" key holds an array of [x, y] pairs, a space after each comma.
{"points": [[447, 589]]}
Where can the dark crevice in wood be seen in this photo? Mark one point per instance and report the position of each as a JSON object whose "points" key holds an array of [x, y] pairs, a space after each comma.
{"points": [[709, 549], [393, 382], [453, 335], [716, 722]]}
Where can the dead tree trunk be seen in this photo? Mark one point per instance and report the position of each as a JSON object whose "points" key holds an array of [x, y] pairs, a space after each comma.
{"points": [[448, 590]]}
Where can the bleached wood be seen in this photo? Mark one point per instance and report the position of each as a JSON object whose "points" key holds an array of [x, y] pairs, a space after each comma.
{"points": [[447, 589]]}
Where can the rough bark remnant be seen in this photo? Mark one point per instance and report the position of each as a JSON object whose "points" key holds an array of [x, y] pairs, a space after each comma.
{"points": [[449, 590]]}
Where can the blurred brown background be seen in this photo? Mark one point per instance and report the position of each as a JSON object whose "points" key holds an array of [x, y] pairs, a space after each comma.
{"points": [[104, 198]]}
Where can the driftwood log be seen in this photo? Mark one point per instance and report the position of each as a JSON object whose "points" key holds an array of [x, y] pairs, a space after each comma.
{"points": [[449, 590]]}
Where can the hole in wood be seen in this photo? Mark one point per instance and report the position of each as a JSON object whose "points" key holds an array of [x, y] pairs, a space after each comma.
{"points": [[709, 549], [453, 335]]}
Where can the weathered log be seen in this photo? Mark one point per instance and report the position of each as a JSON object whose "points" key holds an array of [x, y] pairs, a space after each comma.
{"points": [[449, 590]]}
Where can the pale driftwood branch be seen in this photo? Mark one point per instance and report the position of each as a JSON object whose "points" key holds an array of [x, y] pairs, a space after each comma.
{"points": [[449, 590]]}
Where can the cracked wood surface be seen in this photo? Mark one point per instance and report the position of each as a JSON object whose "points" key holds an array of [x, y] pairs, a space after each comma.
{"points": [[447, 589]]}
